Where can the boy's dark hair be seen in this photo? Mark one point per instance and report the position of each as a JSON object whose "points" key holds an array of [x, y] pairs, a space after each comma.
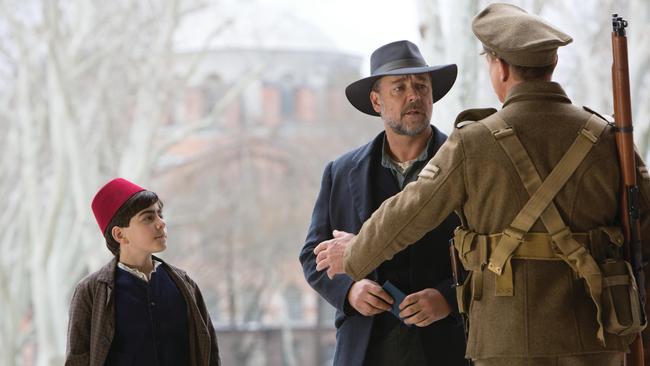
{"points": [[122, 217]]}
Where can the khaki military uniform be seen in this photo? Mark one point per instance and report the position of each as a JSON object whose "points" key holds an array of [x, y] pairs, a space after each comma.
{"points": [[549, 311]]}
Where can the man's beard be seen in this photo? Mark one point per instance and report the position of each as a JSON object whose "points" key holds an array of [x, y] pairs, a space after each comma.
{"points": [[401, 128]]}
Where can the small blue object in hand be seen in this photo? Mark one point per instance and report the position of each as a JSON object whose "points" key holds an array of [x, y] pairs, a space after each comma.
{"points": [[397, 295]]}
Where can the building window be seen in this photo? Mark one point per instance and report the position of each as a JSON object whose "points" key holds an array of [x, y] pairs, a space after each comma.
{"points": [[293, 299], [252, 312], [288, 102], [326, 312], [271, 100], [305, 104], [214, 89]]}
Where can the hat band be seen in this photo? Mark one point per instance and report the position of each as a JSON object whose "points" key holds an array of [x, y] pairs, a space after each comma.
{"points": [[530, 59], [399, 64]]}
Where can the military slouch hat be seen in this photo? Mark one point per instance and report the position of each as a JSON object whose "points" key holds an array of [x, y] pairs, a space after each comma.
{"points": [[510, 33]]}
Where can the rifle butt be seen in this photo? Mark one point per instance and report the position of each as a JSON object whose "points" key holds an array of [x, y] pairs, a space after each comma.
{"points": [[636, 355]]}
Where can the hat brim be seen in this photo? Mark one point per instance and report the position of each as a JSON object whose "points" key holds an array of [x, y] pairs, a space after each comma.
{"points": [[442, 79]]}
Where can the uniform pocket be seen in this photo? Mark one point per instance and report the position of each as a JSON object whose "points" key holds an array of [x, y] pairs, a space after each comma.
{"points": [[472, 249], [622, 312]]}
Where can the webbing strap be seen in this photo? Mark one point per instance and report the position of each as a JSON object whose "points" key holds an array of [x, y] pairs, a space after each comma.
{"points": [[536, 246], [619, 280], [542, 192], [525, 168], [540, 205]]}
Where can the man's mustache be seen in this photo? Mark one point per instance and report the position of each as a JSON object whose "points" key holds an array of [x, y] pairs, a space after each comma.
{"points": [[413, 107]]}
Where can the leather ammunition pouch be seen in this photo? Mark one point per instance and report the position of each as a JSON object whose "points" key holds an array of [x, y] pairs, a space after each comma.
{"points": [[622, 312]]}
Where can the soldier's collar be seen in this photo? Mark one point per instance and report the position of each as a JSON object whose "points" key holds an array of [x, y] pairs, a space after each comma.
{"points": [[536, 90]]}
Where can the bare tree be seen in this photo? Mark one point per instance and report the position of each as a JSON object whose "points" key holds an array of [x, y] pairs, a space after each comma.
{"points": [[250, 189], [90, 90], [447, 38]]}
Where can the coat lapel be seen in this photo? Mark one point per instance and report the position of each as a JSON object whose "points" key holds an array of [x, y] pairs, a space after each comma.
{"points": [[359, 178], [386, 183], [358, 181], [103, 329], [360, 175]]}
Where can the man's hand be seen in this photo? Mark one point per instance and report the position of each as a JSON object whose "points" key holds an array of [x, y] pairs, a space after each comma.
{"points": [[424, 307], [329, 254], [368, 298]]}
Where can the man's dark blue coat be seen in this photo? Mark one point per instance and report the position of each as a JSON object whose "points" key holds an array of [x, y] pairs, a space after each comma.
{"points": [[353, 186]]}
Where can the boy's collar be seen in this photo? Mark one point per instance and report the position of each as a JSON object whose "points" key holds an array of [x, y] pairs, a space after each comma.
{"points": [[137, 273]]}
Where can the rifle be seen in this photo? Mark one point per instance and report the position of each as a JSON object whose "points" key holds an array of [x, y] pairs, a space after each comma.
{"points": [[626, 156]]}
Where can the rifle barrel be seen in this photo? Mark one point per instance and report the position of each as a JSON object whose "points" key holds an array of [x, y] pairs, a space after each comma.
{"points": [[626, 156]]}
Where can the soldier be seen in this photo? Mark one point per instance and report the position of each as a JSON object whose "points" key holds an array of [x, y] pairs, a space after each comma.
{"points": [[536, 186]]}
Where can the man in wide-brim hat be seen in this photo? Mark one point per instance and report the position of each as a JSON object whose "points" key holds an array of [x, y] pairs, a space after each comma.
{"points": [[400, 58], [401, 90]]}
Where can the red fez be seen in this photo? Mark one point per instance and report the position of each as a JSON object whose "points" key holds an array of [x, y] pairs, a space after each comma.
{"points": [[110, 198]]}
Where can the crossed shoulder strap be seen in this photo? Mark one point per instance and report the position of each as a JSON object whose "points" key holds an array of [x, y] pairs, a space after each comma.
{"points": [[540, 205], [542, 193]]}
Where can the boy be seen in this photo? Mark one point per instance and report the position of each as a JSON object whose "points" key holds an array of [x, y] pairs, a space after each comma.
{"points": [[137, 309]]}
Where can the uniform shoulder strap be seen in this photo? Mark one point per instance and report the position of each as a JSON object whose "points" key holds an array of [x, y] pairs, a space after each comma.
{"points": [[604, 117], [470, 116]]}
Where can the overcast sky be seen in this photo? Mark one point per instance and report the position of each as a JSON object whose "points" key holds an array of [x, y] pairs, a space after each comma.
{"points": [[358, 26], [351, 26]]}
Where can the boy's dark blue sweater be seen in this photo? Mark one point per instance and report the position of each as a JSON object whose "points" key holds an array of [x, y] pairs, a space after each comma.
{"points": [[150, 322]]}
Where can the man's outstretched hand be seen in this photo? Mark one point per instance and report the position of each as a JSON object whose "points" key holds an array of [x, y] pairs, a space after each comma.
{"points": [[330, 253]]}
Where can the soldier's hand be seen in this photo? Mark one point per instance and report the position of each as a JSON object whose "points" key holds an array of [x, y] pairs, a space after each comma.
{"points": [[368, 298], [330, 253], [424, 307]]}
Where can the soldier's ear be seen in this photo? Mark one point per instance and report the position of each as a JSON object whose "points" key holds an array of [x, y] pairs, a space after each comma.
{"points": [[504, 70], [376, 101]]}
